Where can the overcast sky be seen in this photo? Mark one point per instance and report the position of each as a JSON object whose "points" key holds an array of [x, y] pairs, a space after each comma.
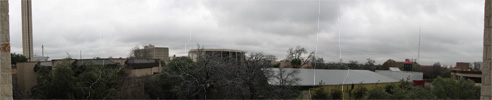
{"points": [[451, 30]]}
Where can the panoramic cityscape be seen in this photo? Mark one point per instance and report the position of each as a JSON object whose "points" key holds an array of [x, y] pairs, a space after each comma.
{"points": [[245, 49]]}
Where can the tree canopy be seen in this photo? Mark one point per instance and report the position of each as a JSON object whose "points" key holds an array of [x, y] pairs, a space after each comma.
{"points": [[94, 82]]}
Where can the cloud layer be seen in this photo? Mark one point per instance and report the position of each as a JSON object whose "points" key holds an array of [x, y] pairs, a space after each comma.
{"points": [[451, 30]]}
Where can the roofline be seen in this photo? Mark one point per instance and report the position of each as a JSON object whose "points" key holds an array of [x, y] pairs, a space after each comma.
{"points": [[231, 50], [347, 84]]}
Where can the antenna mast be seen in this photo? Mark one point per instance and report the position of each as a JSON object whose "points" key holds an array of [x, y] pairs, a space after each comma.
{"points": [[42, 50], [418, 52]]}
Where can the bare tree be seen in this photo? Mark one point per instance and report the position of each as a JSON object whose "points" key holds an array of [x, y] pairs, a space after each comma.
{"points": [[283, 82], [137, 52], [296, 59], [215, 77]]}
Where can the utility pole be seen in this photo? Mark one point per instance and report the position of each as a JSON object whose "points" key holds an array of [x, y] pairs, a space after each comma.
{"points": [[5, 66]]}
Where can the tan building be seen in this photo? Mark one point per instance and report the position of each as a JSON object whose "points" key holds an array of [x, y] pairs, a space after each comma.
{"points": [[161, 53], [143, 67], [238, 55], [26, 76]]}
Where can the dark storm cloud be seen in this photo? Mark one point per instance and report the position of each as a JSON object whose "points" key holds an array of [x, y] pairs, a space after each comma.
{"points": [[378, 29]]}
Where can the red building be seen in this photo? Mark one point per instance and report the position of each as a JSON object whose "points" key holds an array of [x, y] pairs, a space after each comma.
{"points": [[464, 66]]}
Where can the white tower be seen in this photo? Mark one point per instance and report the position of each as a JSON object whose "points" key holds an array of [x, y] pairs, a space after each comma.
{"points": [[27, 44]]}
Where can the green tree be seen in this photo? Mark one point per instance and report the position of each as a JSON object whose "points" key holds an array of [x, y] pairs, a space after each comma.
{"points": [[93, 82], [336, 94], [468, 90], [360, 92], [15, 58], [445, 88], [420, 93], [389, 88], [320, 93], [399, 93], [436, 70], [446, 74], [377, 93]]}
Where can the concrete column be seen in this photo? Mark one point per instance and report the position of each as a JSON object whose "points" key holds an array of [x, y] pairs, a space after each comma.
{"points": [[487, 52], [27, 44], [5, 70]]}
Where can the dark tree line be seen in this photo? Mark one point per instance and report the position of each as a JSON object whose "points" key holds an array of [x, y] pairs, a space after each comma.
{"points": [[91, 81]]}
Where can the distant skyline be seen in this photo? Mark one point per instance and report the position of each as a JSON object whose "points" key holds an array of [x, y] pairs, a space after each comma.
{"points": [[452, 30]]}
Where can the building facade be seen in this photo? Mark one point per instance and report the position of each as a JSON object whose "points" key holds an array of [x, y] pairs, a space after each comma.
{"points": [[224, 54], [150, 51], [464, 66]]}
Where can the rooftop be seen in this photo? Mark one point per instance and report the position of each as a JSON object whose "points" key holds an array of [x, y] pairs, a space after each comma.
{"points": [[336, 77], [229, 50]]}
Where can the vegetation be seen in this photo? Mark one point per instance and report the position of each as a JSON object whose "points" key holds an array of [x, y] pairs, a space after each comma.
{"points": [[320, 94], [443, 88], [447, 88], [360, 92], [336, 94], [294, 56], [212, 77], [15, 58], [93, 82]]}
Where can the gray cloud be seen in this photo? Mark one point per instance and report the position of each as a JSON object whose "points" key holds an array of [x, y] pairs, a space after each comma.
{"points": [[378, 29]]}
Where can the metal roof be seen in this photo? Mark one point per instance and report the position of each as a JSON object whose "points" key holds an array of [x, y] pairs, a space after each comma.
{"points": [[222, 50], [394, 69], [94, 61], [46, 63], [335, 77], [141, 61]]}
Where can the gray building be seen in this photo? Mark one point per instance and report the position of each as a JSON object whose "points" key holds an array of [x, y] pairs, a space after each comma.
{"points": [[153, 52], [237, 55]]}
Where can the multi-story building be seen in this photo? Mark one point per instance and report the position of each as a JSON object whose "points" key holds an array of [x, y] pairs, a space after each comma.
{"points": [[464, 66], [161, 53], [226, 54]]}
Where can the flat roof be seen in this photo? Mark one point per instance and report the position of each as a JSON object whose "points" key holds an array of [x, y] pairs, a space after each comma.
{"points": [[335, 77], [229, 50]]}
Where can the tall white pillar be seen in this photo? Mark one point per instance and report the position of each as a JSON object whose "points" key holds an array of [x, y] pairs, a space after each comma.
{"points": [[27, 44], [487, 52], [5, 70]]}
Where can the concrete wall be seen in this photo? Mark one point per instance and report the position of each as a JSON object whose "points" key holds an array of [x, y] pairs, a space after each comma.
{"points": [[161, 53], [5, 67], [143, 72], [487, 52], [26, 77]]}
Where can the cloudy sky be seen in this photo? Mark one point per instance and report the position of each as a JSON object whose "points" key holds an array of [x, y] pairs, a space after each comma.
{"points": [[451, 30]]}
